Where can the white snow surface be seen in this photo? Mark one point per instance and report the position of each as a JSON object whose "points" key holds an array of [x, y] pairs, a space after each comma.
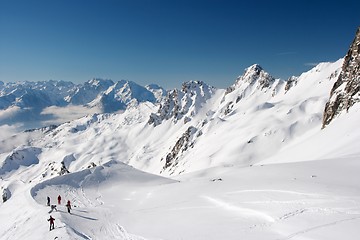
{"points": [[257, 166]]}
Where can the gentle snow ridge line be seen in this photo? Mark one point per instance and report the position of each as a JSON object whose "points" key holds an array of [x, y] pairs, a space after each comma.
{"points": [[240, 210], [278, 191]]}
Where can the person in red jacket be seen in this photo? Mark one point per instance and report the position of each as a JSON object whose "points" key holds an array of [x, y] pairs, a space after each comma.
{"points": [[59, 199], [51, 220]]}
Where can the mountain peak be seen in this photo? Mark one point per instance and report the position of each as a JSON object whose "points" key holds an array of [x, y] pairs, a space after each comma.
{"points": [[254, 73], [193, 85], [255, 68], [100, 82]]}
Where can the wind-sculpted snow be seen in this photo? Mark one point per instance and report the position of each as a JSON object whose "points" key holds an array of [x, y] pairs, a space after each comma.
{"points": [[73, 180], [112, 171]]}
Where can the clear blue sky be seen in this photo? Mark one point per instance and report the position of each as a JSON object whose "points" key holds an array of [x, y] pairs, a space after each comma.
{"points": [[169, 41]]}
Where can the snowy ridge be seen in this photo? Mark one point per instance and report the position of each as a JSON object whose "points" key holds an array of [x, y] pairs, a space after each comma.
{"points": [[255, 82]]}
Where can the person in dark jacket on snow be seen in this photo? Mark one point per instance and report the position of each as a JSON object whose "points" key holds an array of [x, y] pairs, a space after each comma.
{"points": [[59, 200], [53, 207], [68, 205], [48, 201], [51, 220]]}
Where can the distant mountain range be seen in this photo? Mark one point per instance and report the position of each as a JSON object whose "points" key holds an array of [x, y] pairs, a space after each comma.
{"points": [[62, 93], [27, 100]]}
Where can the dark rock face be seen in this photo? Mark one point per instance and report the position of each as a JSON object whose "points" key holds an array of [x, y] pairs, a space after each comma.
{"points": [[346, 90], [292, 81], [183, 143]]}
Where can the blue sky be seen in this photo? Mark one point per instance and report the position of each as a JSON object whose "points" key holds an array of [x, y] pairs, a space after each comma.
{"points": [[169, 41]]}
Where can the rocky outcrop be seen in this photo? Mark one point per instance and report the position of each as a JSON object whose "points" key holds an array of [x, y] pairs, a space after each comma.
{"points": [[182, 103], [292, 81], [181, 145], [346, 90]]}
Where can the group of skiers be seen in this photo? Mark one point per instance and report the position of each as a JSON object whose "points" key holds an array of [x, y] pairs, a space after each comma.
{"points": [[53, 207]]}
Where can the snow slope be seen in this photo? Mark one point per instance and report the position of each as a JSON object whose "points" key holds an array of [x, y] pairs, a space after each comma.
{"points": [[303, 200]]}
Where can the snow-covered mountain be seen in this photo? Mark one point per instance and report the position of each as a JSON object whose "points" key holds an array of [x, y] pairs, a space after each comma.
{"points": [[27, 102], [251, 161], [250, 121], [34, 94]]}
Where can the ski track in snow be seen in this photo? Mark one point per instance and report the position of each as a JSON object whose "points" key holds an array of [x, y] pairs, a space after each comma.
{"points": [[243, 211], [317, 227]]}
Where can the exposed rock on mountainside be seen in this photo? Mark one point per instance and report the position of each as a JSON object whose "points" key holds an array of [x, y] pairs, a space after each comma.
{"points": [[185, 102], [346, 90], [181, 146], [292, 81]]}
